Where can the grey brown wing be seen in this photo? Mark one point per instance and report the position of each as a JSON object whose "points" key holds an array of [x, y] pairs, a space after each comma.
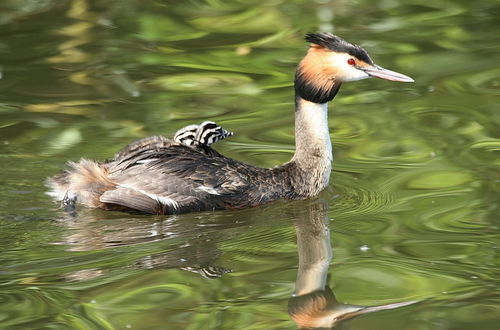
{"points": [[131, 199], [175, 180]]}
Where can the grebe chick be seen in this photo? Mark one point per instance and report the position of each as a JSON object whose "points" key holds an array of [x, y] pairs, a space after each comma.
{"points": [[200, 137], [205, 134], [162, 176]]}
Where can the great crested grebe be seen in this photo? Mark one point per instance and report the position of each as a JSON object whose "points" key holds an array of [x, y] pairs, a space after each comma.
{"points": [[161, 176]]}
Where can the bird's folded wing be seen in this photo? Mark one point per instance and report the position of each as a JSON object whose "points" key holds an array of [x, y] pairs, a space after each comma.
{"points": [[132, 199], [170, 181]]}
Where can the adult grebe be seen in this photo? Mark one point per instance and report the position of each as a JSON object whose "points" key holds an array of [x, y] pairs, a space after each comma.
{"points": [[161, 176]]}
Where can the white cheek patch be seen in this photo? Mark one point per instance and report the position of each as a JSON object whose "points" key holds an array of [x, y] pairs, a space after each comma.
{"points": [[345, 71]]}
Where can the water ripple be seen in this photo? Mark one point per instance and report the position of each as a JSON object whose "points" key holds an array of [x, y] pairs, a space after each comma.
{"points": [[359, 199]]}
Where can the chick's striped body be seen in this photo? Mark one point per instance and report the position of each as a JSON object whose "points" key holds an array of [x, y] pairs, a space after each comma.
{"points": [[205, 134]]}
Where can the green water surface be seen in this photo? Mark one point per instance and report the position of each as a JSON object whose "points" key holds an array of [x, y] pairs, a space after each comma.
{"points": [[410, 216]]}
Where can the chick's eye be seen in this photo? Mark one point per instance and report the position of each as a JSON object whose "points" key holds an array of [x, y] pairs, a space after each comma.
{"points": [[351, 61]]}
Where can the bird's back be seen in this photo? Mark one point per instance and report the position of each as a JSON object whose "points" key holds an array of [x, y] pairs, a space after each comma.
{"points": [[160, 176]]}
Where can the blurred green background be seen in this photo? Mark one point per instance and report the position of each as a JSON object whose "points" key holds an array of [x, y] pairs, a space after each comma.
{"points": [[413, 204]]}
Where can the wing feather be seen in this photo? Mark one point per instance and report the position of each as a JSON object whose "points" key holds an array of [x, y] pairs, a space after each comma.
{"points": [[132, 199], [173, 178], [178, 178]]}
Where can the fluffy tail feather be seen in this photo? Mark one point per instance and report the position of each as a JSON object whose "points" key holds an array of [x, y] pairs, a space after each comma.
{"points": [[84, 182]]}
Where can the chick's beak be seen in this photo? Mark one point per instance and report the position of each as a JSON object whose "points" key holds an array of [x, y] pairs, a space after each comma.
{"points": [[379, 72]]}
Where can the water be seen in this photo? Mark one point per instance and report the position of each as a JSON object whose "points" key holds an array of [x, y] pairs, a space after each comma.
{"points": [[411, 215]]}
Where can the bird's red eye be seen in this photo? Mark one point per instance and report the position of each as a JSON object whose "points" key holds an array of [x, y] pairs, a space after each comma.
{"points": [[351, 61]]}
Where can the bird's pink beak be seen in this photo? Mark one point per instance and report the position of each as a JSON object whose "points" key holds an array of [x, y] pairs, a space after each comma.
{"points": [[379, 72]]}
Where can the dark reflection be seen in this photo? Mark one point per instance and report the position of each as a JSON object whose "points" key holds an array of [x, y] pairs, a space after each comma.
{"points": [[192, 243], [189, 243], [313, 305]]}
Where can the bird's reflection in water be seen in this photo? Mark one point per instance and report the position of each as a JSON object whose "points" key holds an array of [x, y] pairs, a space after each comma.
{"points": [[188, 242], [192, 245], [313, 305]]}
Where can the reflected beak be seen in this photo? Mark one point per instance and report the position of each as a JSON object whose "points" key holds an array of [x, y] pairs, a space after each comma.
{"points": [[379, 72]]}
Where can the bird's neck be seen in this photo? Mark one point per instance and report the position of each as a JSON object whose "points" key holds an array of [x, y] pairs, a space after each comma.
{"points": [[314, 248], [313, 148]]}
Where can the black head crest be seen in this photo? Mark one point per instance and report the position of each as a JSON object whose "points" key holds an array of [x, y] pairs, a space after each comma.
{"points": [[337, 44]]}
